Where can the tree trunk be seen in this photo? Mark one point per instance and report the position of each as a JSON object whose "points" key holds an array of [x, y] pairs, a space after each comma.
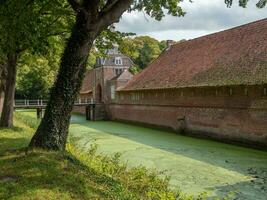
{"points": [[2, 83], [2, 97], [9, 91], [53, 131]]}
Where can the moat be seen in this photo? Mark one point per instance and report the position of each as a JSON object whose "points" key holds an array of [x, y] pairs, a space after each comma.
{"points": [[194, 165]]}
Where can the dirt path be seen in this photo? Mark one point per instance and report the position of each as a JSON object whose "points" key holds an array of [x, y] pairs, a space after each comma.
{"points": [[194, 165]]}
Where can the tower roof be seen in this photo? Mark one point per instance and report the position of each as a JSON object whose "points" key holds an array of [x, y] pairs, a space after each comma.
{"points": [[110, 60]]}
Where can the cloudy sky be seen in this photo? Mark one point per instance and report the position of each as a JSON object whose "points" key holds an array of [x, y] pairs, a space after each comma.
{"points": [[203, 17]]}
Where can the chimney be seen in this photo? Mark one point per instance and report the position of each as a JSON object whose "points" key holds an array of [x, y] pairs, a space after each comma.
{"points": [[169, 44]]}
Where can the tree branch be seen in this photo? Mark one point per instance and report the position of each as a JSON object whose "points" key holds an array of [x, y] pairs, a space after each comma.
{"points": [[75, 5], [92, 7], [108, 5], [113, 14]]}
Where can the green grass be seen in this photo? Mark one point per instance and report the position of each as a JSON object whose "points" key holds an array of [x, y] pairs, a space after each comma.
{"points": [[39, 174]]}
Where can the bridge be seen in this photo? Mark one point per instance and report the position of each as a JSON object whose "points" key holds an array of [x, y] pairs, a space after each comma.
{"points": [[40, 104]]}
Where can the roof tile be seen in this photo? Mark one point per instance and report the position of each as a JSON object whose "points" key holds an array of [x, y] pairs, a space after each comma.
{"points": [[231, 57]]}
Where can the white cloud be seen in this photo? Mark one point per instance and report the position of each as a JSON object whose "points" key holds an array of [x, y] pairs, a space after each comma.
{"points": [[203, 17]]}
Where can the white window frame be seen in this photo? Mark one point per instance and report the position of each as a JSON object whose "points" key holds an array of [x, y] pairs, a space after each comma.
{"points": [[118, 61], [112, 92]]}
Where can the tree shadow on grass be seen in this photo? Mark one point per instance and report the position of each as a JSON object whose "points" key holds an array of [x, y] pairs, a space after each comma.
{"points": [[9, 144], [15, 128], [52, 175]]}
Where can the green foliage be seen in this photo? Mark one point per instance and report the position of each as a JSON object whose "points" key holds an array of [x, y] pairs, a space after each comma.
{"points": [[26, 25], [25, 117], [91, 59], [134, 69], [36, 72], [155, 8], [35, 80], [34, 31], [142, 49], [243, 3], [108, 38], [136, 183]]}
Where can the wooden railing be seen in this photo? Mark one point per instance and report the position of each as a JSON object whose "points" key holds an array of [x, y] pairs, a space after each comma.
{"points": [[41, 103], [18, 103], [83, 101]]}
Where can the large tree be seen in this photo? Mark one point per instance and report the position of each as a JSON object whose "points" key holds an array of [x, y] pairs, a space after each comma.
{"points": [[25, 26], [92, 17]]}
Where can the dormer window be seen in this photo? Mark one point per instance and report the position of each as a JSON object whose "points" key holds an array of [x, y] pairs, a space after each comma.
{"points": [[100, 61], [118, 61]]}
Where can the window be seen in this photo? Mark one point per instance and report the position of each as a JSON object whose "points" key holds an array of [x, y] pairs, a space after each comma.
{"points": [[118, 61], [100, 61], [118, 71], [112, 92]]}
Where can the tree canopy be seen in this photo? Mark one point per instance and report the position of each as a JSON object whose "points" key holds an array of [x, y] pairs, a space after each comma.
{"points": [[142, 49], [36, 72], [26, 25]]}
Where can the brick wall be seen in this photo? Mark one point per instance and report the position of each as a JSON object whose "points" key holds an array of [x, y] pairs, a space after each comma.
{"points": [[85, 96], [237, 114], [79, 109], [108, 74]]}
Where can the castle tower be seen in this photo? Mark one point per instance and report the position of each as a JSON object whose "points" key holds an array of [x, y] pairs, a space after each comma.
{"points": [[107, 68]]}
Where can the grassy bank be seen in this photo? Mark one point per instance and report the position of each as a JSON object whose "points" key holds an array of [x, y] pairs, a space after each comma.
{"points": [[72, 174]]}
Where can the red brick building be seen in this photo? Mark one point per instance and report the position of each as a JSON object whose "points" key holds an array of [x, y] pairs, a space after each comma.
{"points": [[213, 86], [101, 82]]}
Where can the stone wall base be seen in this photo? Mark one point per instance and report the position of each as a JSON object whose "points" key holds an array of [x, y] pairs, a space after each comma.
{"points": [[243, 126]]}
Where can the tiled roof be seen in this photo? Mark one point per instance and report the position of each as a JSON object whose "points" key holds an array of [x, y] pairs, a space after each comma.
{"points": [[125, 75], [87, 85], [237, 56]]}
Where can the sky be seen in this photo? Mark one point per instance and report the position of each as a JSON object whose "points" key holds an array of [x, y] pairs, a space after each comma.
{"points": [[202, 17]]}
